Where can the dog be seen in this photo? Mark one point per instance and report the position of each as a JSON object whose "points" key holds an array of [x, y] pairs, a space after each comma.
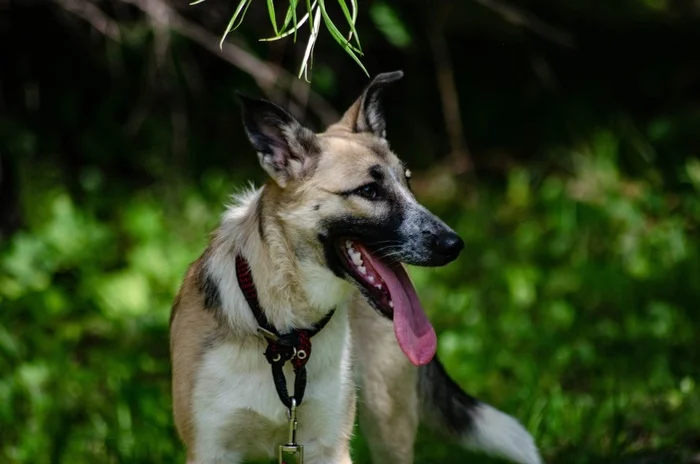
{"points": [[314, 258]]}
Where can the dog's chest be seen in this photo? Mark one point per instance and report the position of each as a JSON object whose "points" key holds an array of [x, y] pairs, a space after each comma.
{"points": [[236, 400]]}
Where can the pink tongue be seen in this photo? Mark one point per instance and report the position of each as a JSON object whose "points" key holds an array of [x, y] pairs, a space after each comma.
{"points": [[412, 328]]}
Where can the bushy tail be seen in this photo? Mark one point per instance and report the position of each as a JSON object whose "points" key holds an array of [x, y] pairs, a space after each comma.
{"points": [[476, 425]]}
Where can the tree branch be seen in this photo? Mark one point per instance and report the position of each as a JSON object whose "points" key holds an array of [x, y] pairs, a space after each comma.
{"points": [[459, 157], [266, 75], [93, 15], [520, 17]]}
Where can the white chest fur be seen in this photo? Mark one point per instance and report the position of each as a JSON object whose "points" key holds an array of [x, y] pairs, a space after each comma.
{"points": [[238, 413]]}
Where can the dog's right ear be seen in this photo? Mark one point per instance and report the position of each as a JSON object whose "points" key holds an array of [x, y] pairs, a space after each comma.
{"points": [[286, 149]]}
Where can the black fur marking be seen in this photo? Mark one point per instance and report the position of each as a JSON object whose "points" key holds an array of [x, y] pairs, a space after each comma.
{"points": [[345, 193], [263, 121], [445, 404], [210, 289], [316, 207], [368, 231], [371, 112], [276, 134], [259, 214], [214, 339], [376, 173]]}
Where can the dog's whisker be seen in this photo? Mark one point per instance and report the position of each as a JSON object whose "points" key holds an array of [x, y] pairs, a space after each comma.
{"points": [[391, 255], [381, 249]]}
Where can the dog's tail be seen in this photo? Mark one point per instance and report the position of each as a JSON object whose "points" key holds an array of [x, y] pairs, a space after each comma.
{"points": [[475, 425]]}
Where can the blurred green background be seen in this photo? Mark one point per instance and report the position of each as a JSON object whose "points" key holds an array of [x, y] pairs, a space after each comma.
{"points": [[561, 139]]}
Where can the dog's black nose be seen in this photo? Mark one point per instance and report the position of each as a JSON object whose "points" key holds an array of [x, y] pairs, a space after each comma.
{"points": [[448, 244]]}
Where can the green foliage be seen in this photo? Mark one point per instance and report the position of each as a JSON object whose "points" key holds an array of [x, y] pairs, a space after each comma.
{"points": [[388, 21], [573, 308], [291, 26]]}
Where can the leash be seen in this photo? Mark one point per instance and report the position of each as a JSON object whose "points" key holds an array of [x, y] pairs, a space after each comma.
{"points": [[294, 347]]}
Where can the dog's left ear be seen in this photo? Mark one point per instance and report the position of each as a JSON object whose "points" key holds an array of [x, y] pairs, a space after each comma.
{"points": [[367, 114], [286, 149]]}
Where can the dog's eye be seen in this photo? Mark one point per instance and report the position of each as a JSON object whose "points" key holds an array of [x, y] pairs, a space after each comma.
{"points": [[369, 191]]}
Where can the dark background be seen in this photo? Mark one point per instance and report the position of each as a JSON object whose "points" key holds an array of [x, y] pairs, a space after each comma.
{"points": [[561, 139]]}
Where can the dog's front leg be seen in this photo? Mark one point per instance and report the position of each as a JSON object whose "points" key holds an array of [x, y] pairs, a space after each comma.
{"points": [[216, 456], [329, 455], [211, 447], [389, 408], [332, 448]]}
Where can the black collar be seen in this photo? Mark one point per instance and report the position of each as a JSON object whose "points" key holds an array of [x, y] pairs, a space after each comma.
{"points": [[294, 346]]}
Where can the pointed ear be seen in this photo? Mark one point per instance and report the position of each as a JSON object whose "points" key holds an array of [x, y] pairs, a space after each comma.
{"points": [[366, 114], [286, 149]]}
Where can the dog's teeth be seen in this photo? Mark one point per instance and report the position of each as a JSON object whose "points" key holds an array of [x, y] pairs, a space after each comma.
{"points": [[357, 260], [370, 278], [391, 304], [348, 244], [379, 286], [362, 269]]}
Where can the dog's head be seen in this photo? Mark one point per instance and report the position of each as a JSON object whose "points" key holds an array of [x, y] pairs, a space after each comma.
{"points": [[345, 197]]}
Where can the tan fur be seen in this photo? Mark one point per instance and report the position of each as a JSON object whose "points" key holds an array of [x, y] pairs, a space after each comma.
{"points": [[276, 229], [189, 322], [225, 406]]}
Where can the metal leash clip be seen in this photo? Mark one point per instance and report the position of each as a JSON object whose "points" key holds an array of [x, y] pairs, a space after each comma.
{"points": [[291, 453], [268, 335]]}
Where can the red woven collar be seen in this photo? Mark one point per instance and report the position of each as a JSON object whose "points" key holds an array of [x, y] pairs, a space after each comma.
{"points": [[294, 346], [245, 281]]}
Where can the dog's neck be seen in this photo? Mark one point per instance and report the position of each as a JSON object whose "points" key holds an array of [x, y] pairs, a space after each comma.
{"points": [[294, 291]]}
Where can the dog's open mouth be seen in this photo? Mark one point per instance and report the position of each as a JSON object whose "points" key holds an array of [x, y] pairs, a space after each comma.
{"points": [[391, 292]]}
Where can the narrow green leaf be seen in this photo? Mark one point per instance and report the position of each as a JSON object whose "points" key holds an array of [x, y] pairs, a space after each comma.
{"points": [[309, 9], [240, 20], [289, 15], [354, 11], [357, 60], [354, 21], [294, 18], [273, 18], [351, 22], [196, 2], [307, 62], [337, 35], [294, 28], [287, 18], [349, 49], [230, 26]]}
